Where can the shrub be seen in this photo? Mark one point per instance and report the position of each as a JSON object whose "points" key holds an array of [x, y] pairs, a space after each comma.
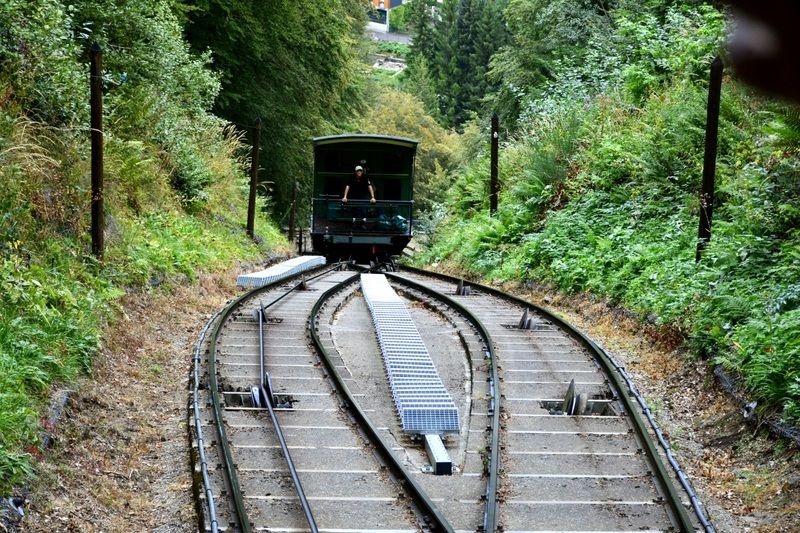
{"points": [[55, 299], [619, 219]]}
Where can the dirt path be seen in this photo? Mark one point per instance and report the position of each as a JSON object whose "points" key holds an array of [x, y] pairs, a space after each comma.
{"points": [[119, 462]]}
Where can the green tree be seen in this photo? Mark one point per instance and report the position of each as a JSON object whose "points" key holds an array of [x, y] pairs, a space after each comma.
{"points": [[399, 113], [453, 44], [418, 77], [468, 16], [481, 34], [293, 63], [445, 67], [418, 81], [543, 32], [421, 22]]}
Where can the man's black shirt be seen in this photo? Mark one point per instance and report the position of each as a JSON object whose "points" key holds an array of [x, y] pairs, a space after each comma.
{"points": [[359, 187]]}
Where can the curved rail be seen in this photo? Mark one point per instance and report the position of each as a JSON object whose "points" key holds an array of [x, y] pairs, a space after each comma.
{"points": [[490, 513], [616, 375], [201, 445], [438, 521], [213, 385]]}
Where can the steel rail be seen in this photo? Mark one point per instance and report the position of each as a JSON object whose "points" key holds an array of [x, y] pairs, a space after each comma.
{"points": [[697, 505], [680, 515], [438, 521], [490, 512], [261, 371], [213, 385], [287, 456], [201, 445]]}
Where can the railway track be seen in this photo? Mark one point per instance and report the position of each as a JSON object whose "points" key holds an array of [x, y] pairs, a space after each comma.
{"points": [[519, 462]]}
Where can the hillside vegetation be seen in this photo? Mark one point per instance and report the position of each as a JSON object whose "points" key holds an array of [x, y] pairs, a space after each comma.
{"points": [[603, 110], [296, 64], [175, 174]]}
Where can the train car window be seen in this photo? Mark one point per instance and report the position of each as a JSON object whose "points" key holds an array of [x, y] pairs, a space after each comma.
{"points": [[391, 189], [331, 162], [393, 163], [333, 186]]}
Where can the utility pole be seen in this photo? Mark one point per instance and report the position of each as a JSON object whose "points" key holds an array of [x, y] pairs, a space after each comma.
{"points": [[293, 213], [254, 164], [96, 105], [709, 158]]}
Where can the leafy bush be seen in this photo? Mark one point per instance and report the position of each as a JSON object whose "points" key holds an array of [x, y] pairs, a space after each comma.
{"points": [[569, 52], [767, 353], [602, 197], [395, 49], [39, 68], [50, 319], [164, 152]]}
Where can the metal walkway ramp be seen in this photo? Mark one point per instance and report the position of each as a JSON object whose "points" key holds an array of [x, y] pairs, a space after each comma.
{"points": [[422, 402], [282, 270]]}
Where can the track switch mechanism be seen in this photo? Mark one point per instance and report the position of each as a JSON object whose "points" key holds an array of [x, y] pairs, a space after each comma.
{"points": [[574, 403], [526, 322], [462, 289]]}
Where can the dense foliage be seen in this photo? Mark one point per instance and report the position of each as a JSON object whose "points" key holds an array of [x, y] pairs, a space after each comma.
{"points": [[606, 102], [295, 64], [174, 177]]}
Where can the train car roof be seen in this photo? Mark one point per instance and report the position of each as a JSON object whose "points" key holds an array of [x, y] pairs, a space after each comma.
{"points": [[365, 137]]}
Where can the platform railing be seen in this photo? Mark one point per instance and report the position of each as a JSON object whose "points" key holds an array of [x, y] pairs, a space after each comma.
{"points": [[390, 217]]}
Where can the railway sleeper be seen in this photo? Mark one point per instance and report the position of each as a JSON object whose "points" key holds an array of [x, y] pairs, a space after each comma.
{"points": [[245, 400]]}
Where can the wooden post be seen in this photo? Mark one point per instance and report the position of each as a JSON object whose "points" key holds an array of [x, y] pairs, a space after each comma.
{"points": [[254, 164], [494, 186], [293, 213], [709, 158], [96, 105], [300, 242]]}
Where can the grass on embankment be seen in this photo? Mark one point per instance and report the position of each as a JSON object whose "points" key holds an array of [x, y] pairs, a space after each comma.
{"points": [[56, 299]]}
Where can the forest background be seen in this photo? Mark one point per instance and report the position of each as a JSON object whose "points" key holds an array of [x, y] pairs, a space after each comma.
{"points": [[602, 107]]}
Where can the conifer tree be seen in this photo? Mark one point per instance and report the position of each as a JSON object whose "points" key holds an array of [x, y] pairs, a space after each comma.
{"points": [[467, 27], [453, 42], [420, 20], [492, 35], [445, 67]]}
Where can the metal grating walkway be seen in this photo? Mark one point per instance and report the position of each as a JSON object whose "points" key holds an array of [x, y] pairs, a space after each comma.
{"points": [[282, 270], [422, 402]]}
